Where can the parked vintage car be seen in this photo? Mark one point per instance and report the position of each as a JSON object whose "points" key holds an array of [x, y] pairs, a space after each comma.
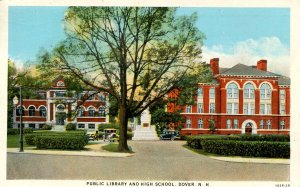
{"points": [[169, 135]]}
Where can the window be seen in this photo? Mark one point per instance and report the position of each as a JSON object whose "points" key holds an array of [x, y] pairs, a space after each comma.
{"points": [[262, 109], [200, 107], [188, 123], [232, 108], [268, 108], [43, 111], [102, 111], [265, 91], [31, 125], [246, 111], [188, 109], [282, 94], [91, 126], [252, 108], [91, 111], [200, 123], [31, 111], [200, 93], [228, 124], [232, 91], [282, 108], [80, 112], [60, 94], [235, 124], [282, 124], [261, 124], [41, 125], [212, 108], [212, 93], [81, 126], [265, 109], [268, 124], [19, 111], [249, 91]]}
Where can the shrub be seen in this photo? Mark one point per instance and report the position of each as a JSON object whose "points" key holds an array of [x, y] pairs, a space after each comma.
{"points": [[17, 131], [265, 137], [30, 139], [70, 127], [247, 148], [46, 127], [61, 142], [195, 141], [129, 135], [101, 127]]}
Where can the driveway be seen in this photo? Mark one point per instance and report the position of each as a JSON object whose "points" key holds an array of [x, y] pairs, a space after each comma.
{"points": [[153, 160]]}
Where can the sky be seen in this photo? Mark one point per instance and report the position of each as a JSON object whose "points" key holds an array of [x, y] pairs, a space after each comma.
{"points": [[235, 35]]}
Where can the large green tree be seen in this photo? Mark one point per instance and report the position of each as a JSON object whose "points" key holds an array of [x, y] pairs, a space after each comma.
{"points": [[136, 54]]}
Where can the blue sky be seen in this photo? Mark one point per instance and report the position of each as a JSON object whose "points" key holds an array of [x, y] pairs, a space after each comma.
{"points": [[231, 33]]}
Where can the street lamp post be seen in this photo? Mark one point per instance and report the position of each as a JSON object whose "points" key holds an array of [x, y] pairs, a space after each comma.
{"points": [[15, 101]]}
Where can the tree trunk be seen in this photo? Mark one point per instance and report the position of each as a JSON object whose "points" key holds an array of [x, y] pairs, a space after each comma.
{"points": [[123, 118]]}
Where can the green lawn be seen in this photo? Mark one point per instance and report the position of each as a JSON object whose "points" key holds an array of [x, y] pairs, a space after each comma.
{"points": [[13, 141], [113, 147]]}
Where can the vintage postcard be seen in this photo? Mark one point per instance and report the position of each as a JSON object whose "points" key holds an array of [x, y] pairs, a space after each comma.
{"points": [[149, 94]]}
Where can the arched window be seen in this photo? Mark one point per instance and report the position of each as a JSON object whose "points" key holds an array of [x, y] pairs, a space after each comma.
{"points": [[60, 108], [249, 91], [18, 111], [265, 91], [91, 111], [31, 111], [43, 111], [102, 111], [232, 91], [80, 112]]}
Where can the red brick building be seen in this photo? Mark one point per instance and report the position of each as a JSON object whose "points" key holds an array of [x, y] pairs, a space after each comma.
{"points": [[58, 107], [241, 99]]}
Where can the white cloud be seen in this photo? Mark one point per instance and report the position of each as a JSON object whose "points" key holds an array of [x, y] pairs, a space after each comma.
{"points": [[250, 51], [19, 63]]}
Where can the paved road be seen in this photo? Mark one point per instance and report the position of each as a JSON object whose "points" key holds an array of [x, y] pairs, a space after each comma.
{"points": [[153, 160]]}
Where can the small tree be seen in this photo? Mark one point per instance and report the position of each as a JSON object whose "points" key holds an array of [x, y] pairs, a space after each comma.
{"points": [[212, 127]]}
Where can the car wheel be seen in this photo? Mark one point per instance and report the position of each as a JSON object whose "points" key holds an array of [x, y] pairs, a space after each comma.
{"points": [[172, 138]]}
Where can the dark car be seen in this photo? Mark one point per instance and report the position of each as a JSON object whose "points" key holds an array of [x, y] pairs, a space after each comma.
{"points": [[169, 135]]}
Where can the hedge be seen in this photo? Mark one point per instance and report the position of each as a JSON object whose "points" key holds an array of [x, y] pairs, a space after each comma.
{"points": [[70, 127], [195, 141], [31, 139], [60, 142], [17, 131], [247, 148], [264, 137]]}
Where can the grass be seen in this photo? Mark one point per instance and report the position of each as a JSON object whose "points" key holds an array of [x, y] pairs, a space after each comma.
{"points": [[13, 141], [113, 147]]}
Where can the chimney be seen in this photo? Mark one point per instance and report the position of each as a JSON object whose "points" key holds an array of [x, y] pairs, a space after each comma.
{"points": [[262, 65], [214, 64]]}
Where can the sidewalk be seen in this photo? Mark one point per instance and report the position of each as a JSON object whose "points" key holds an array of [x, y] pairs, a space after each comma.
{"points": [[93, 150], [253, 160]]}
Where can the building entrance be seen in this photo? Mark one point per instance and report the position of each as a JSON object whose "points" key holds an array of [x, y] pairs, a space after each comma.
{"points": [[248, 129]]}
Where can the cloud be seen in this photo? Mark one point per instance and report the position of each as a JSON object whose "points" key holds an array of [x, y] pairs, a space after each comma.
{"points": [[19, 63], [250, 51]]}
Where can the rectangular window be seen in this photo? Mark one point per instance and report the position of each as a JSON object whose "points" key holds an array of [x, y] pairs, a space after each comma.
{"points": [[282, 124], [212, 108], [235, 124], [282, 108], [251, 108], [81, 125], [200, 107], [31, 125], [262, 109], [261, 124], [228, 124], [246, 108], [282, 94], [269, 109], [188, 123], [269, 124], [200, 93], [188, 109], [200, 123], [235, 108], [60, 94], [212, 93], [229, 108], [91, 126]]}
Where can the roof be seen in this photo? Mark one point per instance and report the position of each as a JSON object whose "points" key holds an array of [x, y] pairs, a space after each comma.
{"points": [[283, 80], [244, 70]]}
